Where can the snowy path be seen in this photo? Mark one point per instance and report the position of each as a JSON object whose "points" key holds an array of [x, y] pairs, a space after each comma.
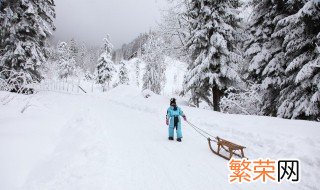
{"points": [[119, 141], [109, 146]]}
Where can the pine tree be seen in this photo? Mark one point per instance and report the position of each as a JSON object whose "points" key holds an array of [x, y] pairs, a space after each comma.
{"points": [[264, 53], [82, 53], [105, 67], [214, 33], [74, 51], [66, 63], [153, 78], [92, 57], [300, 92], [123, 74], [137, 64], [25, 27]]}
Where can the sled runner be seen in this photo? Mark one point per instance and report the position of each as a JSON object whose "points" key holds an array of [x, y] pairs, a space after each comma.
{"points": [[228, 146]]}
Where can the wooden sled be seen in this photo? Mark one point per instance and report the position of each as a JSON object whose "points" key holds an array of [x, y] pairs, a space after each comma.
{"points": [[228, 146]]}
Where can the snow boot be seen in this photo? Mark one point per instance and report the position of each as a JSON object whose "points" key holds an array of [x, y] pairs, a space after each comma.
{"points": [[179, 139], [170, 138]]}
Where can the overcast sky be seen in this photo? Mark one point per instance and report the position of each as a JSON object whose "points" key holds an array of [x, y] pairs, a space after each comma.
{"points": [[91, 20]]}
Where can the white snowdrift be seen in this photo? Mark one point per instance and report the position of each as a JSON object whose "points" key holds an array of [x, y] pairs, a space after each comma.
{"points": [[118, 140]]}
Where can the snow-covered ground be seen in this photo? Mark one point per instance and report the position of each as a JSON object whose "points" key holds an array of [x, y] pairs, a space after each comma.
{"points": [[118, 140]]}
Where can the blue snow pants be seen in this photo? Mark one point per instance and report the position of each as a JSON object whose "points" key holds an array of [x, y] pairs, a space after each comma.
{"points": [[171, 114]]}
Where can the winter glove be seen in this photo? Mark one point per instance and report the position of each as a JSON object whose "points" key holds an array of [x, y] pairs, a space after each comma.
{"points": [[185, 118], [167, 121]]}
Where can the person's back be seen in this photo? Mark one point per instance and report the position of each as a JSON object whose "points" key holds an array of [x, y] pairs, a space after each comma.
{"points": [[173, 120]]}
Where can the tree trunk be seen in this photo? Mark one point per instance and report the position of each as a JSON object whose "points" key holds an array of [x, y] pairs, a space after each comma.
{"points": [[197, 102], [216, 96]]}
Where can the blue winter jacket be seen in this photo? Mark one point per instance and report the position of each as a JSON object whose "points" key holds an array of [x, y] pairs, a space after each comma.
{"points": [[171, 113]]}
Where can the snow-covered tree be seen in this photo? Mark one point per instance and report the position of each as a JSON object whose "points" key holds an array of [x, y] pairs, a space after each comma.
{"points": [[174, 29], [123, 74], [154, 76], [105, 68], [91, 58], [300, 92], [73, 48], [66, 63], [245, 100], [212, 42], [133, 49], [137, 70], [264, 53], [82, 56], [88, 76], [25, 27]]}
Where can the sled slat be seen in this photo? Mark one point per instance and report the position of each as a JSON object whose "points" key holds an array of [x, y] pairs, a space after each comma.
{"points": [[227, 146]]}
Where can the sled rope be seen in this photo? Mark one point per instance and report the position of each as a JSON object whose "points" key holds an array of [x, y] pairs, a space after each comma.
{"points": [[228, 146], [202, 132]]}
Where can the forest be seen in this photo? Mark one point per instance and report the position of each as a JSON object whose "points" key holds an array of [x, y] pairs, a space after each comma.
{"points": [[242, 57]]}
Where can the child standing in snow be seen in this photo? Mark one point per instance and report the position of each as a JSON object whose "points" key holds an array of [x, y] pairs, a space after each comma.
{"points": [[173, 119]]}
